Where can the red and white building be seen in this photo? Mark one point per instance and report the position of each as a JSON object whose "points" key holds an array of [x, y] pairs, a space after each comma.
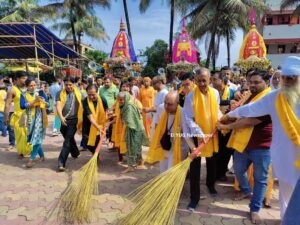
{"points": [[281, 32]]}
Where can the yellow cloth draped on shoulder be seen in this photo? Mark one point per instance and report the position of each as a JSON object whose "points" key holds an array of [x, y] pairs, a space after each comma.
{"points": [[289, 122], [42, 105], [239, 138], [63, 98], [226, 93], [156, 152], [206, 110], [99, 116], [20, 132]]}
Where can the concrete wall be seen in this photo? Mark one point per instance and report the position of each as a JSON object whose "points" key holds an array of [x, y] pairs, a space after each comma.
{"points": [[277, 59], [281, 31]]}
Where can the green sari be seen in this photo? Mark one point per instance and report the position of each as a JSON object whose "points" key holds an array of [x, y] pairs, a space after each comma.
{"points": [[134, 133]]}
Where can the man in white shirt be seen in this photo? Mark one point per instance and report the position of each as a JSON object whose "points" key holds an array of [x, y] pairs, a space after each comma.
{"points": [[226, 71], [158, 83]]}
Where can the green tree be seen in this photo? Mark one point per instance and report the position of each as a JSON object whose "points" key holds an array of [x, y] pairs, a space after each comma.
{"points": [[19, 11], [156, 57], [219, 18], [289, 3], [96, 56], [73, 11]]}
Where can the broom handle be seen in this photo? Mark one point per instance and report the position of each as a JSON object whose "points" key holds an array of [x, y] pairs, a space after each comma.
{"points": [[202, 144], [102, 134]]}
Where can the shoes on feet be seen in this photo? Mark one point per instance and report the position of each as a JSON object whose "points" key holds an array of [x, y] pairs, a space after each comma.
{"points": [[212, 191], [192, 206], [61, 169]]}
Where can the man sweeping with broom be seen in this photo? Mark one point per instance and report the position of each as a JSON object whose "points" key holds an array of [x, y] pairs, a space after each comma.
{"points": [[202, 114], [167, 146]]}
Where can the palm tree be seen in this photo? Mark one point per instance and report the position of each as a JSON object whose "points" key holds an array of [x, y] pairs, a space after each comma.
{"points": [[88, 25], [219, 18], [75, 11], [127, 18], [179, 5], [19, 11]]}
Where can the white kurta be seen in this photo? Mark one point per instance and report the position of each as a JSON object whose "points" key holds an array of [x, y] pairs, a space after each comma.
{"points": [[167, 163], [283, 150], [189, 112]]}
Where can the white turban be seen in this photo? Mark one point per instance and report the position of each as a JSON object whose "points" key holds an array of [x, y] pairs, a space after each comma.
{"points": [[291, 66]]}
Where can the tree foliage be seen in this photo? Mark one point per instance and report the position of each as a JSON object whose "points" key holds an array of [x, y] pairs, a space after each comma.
{"points": [[156, 57]]}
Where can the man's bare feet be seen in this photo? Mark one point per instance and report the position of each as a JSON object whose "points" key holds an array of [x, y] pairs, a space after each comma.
{"points": [[240, 196], [141, 165], [128, 170], [255, 218], [267, 203]]}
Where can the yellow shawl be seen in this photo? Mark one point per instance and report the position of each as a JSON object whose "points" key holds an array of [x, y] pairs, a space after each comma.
{"points": [[156, 152], [42, 105], [289, 122], [207, 118], [99, 116], [63, 98], [226, 93], [239, 138]]}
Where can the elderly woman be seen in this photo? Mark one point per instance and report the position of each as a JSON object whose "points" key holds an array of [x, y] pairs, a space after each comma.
{"points": [[134, 131], [37, 121], [275, 80]]}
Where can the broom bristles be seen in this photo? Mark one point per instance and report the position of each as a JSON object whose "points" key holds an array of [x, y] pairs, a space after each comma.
{"points": [[156, 201], [76, 202]]}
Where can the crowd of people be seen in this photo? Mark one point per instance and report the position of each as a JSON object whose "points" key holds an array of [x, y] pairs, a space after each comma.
{"points": [[253, 118]]}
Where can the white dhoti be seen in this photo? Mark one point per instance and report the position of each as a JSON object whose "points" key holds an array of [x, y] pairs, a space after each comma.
{"points": [[285, 193], [167, 163]]}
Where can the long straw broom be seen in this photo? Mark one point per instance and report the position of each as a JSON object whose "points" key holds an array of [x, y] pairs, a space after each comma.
{"points": [[76, 202], [156, 201]]}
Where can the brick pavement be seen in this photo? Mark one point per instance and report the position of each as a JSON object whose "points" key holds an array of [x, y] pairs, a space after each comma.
{"points": [[30, 196]]}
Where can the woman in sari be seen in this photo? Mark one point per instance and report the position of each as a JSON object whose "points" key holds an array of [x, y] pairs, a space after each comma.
{"points": [[134, 131], [35, 105]]}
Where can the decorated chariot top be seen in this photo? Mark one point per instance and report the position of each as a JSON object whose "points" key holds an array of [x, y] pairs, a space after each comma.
{"points": [[123, 46], [184, 48]]}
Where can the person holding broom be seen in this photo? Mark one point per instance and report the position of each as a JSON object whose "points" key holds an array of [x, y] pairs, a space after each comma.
{"points": [[167, 145], [283, 105], [94, 117], [202, 115], [134, 131], [70, 111]]}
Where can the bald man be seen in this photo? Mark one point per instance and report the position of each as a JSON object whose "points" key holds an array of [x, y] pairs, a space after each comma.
{"points": [[163, 147], [202, 114]]}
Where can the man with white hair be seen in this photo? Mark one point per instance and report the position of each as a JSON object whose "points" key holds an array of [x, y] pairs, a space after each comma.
{"points": [[283, 105]]}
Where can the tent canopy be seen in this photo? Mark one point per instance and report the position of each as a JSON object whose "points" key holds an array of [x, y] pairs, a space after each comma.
{"points": [[17, 41]]}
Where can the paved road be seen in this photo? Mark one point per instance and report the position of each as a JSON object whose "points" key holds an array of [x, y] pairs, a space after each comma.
{"points": [[30, 196]]}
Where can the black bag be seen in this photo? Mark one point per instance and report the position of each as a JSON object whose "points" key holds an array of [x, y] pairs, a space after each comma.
{"points": [[165, 140]]}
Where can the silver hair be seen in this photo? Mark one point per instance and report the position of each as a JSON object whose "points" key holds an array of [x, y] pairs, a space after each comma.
{"points": [[202, 70], [122, 94]]}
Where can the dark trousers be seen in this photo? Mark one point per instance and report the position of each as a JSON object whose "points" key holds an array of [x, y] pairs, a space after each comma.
{"points": [[223, 156], [195, 172], [69, 145], [11, 133], [92, 149], [109, 132]]}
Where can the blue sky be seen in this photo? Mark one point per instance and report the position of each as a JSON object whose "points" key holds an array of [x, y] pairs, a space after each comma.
{"points": [[147, 27]]}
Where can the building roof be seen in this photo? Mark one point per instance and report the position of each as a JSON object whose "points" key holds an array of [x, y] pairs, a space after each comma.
{"points": [[17, 42]]}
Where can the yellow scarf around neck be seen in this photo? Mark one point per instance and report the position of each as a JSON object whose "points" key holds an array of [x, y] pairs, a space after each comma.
{"points": [[99, 116], [63, 99], [156, 152], [240, 138], [42, 105], [226, 93], [289, 122], [207, 118]]}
